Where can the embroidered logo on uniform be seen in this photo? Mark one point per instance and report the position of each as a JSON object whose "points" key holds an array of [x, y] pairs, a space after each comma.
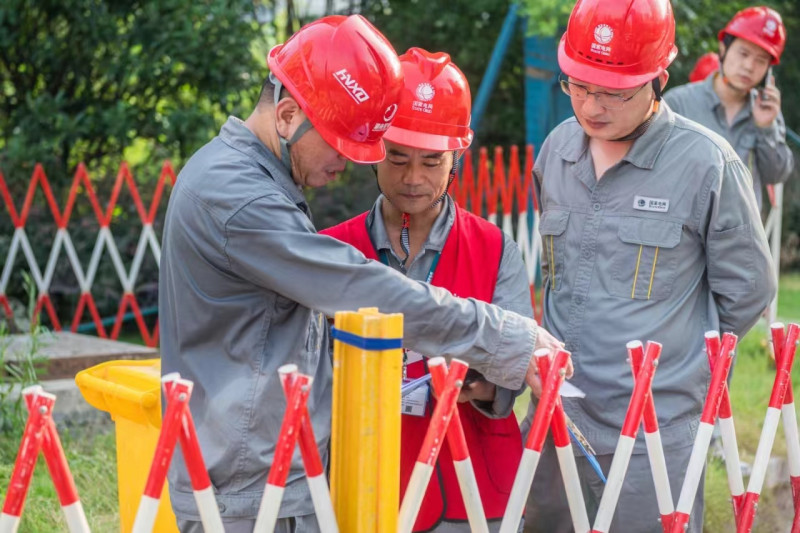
{"points": [[351, 86], [643, 203]]}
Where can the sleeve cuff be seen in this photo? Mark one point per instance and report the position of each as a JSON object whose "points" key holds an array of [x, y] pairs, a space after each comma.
{"points": [[514, 351]]}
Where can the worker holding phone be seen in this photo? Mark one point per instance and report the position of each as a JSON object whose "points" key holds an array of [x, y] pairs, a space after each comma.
{"points": [[740, 101]]}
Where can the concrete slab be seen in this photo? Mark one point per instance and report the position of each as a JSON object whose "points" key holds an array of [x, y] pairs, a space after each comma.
{"points": [[68, 353]]}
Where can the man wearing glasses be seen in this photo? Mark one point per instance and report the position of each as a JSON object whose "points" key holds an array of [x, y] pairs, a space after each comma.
{"points": [[651, 232]]}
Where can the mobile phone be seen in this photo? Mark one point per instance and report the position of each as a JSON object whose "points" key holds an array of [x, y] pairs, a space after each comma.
{"points": [[768, 81]]}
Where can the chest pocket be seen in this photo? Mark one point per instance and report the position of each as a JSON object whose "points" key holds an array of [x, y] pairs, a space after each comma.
{"points": [[552, 227], [644, 265]]}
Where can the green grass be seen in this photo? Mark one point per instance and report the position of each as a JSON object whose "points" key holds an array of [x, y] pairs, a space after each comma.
{"points": [[789, 297], [92, 460]]}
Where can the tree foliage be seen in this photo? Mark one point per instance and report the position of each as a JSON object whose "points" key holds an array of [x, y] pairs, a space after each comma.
{"points": [[546, 18], [82, 80], [468, 33]]}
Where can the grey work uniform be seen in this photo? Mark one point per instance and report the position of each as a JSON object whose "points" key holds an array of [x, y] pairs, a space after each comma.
{"points": [[242, 271], [763, 150], [666, 246], [511, 292]]}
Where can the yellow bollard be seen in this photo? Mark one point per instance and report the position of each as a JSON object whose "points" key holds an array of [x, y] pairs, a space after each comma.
{"points": [[365, 433], [391, 377], [336, 421]]}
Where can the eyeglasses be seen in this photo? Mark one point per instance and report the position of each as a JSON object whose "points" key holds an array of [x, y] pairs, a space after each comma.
{"points": [[603, 99]]}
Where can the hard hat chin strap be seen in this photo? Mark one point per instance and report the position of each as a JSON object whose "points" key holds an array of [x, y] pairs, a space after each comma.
{"points": [[453, 172], [299, 132]]}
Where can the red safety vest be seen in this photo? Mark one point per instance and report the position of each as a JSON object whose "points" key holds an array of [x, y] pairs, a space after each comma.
{"points": [[468, 267]]}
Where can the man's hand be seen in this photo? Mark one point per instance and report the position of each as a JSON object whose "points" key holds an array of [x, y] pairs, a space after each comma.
{"points": [[480, 390], [767, 106], [543, 340]]}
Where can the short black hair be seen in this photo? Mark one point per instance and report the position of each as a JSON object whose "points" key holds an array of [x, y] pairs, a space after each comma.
{"points": [[727, 39], [267, 95]]}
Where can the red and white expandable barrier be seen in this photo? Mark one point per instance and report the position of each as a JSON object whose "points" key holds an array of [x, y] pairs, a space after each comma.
{"points": [[627, 439], [315, 472], [652, 438], [299, 389], [62, 242], [566, 459], [40, 434], [789, 419], [445, 409], [776, 401], [551, 383], [29, 446], [59, 469], [727, 429], [461, 460], [196, 466], [177, 402], [697, 459]]}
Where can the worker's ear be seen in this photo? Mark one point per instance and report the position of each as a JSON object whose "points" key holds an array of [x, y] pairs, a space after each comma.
{"points": [[288, 116]]}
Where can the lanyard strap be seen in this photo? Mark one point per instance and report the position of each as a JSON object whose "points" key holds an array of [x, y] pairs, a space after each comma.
{"points": [[385, 260]]}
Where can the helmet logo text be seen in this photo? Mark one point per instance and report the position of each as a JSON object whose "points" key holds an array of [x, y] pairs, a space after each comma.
{"points": [[425, 92], [603, 33], [770, 26], [602, 36], [391, 111], [351, 86]]}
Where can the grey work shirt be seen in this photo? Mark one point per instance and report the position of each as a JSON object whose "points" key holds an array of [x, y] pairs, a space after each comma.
{"points": [[242, 268], [763, 150], [666, 246], [511, 292]]}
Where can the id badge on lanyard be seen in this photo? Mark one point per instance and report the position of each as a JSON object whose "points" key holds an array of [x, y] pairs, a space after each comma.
{"points": [[415, 403]]}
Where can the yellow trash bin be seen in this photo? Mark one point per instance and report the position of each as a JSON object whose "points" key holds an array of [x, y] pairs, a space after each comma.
{"points": [[130, 391]]}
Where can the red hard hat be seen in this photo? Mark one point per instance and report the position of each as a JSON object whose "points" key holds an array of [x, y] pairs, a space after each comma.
{"points": [[618, 44], [435, 104], [706, 64], [347, 78], [761, 26]]}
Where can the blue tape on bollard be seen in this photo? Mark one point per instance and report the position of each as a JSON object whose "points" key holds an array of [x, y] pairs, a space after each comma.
{"points": [[366, 343]]}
